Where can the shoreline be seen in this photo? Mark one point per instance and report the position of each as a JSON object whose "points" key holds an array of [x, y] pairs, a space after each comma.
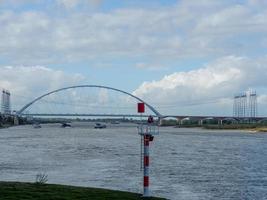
{"points": [[2, 126], [241, 127]]}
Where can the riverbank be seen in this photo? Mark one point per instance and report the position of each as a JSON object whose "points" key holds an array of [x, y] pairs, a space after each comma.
{"points": [[246, 127], [262, 129], [243, 127], [33, 191], [5, 125]]}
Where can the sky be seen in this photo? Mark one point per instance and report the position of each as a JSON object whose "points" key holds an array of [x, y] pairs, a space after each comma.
{"points": [[181, 56]]}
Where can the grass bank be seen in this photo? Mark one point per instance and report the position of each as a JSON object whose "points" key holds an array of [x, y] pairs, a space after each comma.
{"points": [[33, 191]]}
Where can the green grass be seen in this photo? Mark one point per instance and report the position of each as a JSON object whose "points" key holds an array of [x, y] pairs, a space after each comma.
{"points": [[32, 191]]}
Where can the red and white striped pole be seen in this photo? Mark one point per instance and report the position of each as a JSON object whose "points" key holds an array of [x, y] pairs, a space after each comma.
{"points": [[146, 165], [147, 139]]}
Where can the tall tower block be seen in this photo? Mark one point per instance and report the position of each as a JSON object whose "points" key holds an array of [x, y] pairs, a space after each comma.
{"points": [[5, 104]]}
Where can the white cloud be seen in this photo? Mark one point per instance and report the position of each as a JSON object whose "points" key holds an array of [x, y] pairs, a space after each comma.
{"points": [[68, 3], [27, 83], [18, 2], [147, 37], [230, 21], [216, 83], [259, 3], [187, 30], [73, 3], [150, 66]]}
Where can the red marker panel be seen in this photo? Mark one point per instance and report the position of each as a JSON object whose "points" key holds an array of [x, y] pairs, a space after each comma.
{"points": [[141, 107]]}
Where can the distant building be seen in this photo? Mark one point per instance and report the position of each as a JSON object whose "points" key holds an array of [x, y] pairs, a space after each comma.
{"points": [[5, 103], [245, 105]]}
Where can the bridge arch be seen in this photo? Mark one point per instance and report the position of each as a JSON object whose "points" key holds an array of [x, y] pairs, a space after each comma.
{"points": [[88, 86]]}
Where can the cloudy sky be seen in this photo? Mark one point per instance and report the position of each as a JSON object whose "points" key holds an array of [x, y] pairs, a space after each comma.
{"points": [[182, 56]]}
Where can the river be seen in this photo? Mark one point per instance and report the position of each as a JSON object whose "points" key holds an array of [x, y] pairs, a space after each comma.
{"points": [[186, 164]]}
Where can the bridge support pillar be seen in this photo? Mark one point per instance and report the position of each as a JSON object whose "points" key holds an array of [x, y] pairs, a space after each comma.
{"points": [[220, 121], [160, 121], [178, 121], [200, 122], [16, 120]]}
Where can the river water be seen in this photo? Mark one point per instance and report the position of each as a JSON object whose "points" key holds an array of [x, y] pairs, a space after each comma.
{"points": [[189, 164]]}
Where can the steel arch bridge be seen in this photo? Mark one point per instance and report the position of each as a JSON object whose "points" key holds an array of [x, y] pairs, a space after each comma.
{"points": [[20, 112]]}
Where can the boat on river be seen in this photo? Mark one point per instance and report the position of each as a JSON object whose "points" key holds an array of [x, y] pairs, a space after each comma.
{"points": [[37, 125], [65, 125], [100, 126]]}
